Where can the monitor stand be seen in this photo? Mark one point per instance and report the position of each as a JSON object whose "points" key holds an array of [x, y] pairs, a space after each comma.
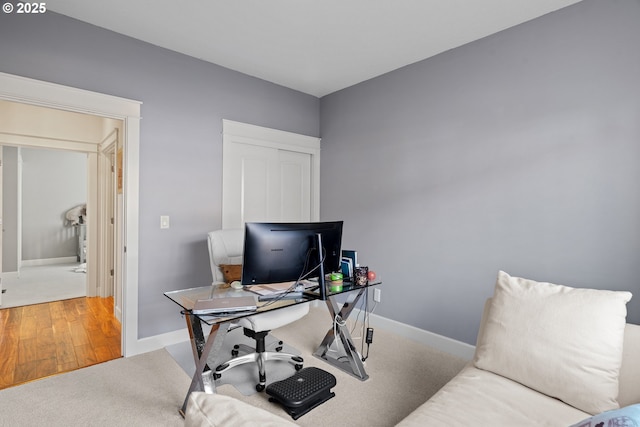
{"points": [[321, 288]]}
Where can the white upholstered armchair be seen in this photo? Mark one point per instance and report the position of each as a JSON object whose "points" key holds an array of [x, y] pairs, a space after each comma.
{"points": [[225, 247]]}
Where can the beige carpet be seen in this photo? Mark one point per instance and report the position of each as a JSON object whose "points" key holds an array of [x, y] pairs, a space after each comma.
{"points": [[144, 390], [402, 375], [43, 283], [148, 389]]}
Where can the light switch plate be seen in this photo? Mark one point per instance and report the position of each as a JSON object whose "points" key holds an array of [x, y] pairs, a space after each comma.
{"points": [[164, 221]]}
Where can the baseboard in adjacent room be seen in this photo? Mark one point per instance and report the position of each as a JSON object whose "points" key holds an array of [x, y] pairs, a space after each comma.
{"points": [[48, 261]]}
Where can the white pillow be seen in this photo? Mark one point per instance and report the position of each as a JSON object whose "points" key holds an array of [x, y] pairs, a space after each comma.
{"points": [[561, 341]]}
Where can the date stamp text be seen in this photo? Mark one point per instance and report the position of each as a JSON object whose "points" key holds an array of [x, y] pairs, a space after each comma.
{"points": [[24, 8]]}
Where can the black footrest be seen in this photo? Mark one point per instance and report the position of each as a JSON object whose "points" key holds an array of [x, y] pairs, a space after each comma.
{"points": [[300, 393]]}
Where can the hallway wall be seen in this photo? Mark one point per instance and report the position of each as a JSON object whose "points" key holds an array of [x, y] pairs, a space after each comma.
{"points": [[53, 182]]}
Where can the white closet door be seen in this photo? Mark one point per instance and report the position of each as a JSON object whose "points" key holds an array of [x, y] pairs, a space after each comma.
{"points": [[294, 185], [268, 175]]}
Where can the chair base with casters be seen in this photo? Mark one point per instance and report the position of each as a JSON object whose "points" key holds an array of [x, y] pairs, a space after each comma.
{"points": [[260, 357]]}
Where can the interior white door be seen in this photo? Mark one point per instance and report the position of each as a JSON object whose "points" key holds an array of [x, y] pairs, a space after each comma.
{"points": [[106, 217], [268, 175], [294, 186]]}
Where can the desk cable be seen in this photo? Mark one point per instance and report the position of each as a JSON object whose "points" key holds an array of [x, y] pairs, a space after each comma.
{"points": [[302, 277], [365, 324], [366, 335], [337, 321], [282, 295]]}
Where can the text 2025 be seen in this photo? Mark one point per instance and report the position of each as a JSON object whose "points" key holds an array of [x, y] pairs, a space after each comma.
{"points": [[31, 7]]}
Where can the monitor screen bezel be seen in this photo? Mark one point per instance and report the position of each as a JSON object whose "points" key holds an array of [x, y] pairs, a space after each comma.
{"points": [[270, 245]]}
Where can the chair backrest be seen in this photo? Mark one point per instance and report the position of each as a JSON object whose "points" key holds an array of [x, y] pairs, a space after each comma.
{"points": [[225, 247]]}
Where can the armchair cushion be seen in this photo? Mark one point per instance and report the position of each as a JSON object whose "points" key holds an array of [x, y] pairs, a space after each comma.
{"points": [[578, 336], [217, 410]]}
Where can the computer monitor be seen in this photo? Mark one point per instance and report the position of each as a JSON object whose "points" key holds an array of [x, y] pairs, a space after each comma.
{"points": [[283, 252]]}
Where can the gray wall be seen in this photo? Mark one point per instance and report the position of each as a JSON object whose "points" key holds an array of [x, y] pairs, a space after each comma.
{"points": [[53, 182], [184, 102], [517, 152]]}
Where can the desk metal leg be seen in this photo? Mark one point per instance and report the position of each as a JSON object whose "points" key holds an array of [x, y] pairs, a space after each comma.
{"points": [[350, 362], [196, 335], [203, 376]]}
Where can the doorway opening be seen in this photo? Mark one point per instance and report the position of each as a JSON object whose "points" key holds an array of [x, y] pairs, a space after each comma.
{"points": [[61, 152], [58, 241], [43, 194], [68, 99]]}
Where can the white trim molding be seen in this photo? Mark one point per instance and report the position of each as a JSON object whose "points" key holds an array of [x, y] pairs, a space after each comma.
{"points": [[40, 142], [238, 132], [46, 94], [433, 340], [49, 261]]}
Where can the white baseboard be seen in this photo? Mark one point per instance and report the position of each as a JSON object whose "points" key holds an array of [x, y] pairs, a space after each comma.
{"points": [[10, 275], [48, 261], [442, 343], [156, 342]]}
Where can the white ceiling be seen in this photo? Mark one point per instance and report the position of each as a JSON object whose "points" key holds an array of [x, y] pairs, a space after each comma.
{"points": [[314, 46]]}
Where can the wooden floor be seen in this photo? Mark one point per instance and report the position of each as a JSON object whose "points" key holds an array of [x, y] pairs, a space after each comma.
{"points": [[45, 339]]}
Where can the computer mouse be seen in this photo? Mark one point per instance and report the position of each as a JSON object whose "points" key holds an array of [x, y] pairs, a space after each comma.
{"points": [[236, 285]]}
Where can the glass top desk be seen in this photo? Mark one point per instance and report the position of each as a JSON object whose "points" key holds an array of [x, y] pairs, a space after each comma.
{"points": [[202, 346]]}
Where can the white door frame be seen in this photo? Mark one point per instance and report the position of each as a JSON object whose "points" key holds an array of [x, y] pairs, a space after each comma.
{"points": [[45, 94], [238, 132], [1, 225]]}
